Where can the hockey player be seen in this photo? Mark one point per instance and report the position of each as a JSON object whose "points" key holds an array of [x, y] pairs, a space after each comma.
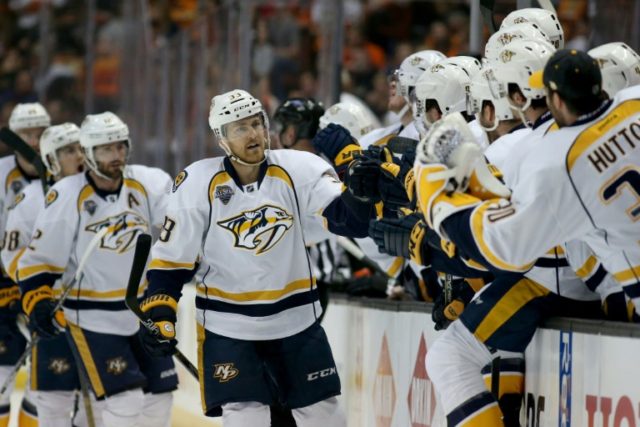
{"points": [[230, 222], [549, 196], [544, 19], [28, 121], [127, 200], [53, 376], [401, 88], [619, 65]]}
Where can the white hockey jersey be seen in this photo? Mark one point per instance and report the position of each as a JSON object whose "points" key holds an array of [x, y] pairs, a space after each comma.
{"points": [[75, 211], [20, 219], [580, 182], [12, 182], [247, 243]]}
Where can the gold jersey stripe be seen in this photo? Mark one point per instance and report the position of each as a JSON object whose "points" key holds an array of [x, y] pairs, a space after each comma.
{"points": [[510, 303], [264, 295]]}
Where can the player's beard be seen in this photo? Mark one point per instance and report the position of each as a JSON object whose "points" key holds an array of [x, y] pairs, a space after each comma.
{"points": [[112, 170]]}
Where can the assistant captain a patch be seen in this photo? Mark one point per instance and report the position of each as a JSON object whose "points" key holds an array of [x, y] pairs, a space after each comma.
{"points": [[224, 193]]}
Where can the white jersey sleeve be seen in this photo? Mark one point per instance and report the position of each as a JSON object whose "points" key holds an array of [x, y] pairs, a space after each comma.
{"points": [[47, 257], [21, 217], [186, 218]]}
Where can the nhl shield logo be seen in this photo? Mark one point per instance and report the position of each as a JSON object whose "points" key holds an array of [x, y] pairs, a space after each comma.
{"points": [[224, 193], [90, 206]]}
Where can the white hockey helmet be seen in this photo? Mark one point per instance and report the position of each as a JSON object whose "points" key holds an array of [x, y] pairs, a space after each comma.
{"points": [[101, 129], [504, 36], [28, 116], [413, 66], [479, 92], [232, 106], [545, 19], [515, 63], [468, 63], [619, 64], [54, 138], [350, 116], [445, 83]]}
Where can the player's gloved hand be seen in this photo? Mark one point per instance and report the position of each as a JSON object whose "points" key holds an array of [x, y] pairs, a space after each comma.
{"points": [[39, 304], [337, 144], [392, 235], [9, 309], [372, 181], [450, 304], [361, 179], [161, 309]]}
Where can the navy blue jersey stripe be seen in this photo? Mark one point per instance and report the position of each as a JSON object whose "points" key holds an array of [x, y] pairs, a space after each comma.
{"points": [[78, 304], [258, 310], [594, 281]]}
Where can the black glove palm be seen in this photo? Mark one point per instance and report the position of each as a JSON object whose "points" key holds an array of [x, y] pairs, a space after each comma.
{"points": [[42, 320], [392, 235]]}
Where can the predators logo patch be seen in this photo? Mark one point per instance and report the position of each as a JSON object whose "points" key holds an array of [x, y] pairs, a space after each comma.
{"points": [[52, 196], [179, 180], [260, 229], [123, 231]]}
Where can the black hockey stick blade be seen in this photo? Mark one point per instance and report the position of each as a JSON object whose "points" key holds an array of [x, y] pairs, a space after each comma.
{"points": [[486, 8], [143, 247], [400, 144], [18, 145], [140, 256]]}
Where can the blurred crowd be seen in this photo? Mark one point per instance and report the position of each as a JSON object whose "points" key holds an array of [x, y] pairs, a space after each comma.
{"points": [[286, 41]]}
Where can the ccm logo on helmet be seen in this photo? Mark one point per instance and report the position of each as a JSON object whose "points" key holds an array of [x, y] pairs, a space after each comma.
{"points": [[321, 374]]}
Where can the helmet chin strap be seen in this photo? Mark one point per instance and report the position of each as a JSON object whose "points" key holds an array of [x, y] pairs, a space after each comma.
{"points": [[237, 159]]}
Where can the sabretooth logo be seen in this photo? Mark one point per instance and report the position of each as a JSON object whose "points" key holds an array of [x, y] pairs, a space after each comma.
{"points": [[321, 374], [225, 372]]}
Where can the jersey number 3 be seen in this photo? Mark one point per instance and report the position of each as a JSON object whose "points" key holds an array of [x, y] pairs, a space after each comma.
{"points": [[613, 189]]}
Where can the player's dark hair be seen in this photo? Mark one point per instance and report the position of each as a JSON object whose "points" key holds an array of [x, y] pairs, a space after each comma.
{"points": [[536, 104]]}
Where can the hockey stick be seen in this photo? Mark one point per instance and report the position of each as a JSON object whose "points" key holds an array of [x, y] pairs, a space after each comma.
{"points": [[486, 8], [495, 377], [65, 293], [546, 4], [143, 247], [18, 145], [358, 254], [400, 144]]}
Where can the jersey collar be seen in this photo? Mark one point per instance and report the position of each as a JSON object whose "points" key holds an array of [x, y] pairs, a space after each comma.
{"points": [[24, 174], [545, 117], [228, 167], [585, 118], [102, 193]]}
